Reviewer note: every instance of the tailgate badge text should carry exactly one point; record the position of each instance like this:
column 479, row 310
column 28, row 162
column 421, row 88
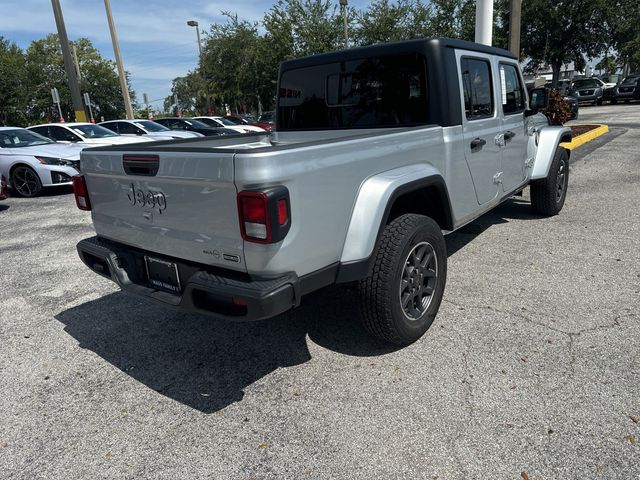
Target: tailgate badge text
column 149, row 198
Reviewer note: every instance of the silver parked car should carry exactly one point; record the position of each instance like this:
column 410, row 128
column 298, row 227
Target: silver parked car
column 31, row 162
column 148, row 128
column 85, row 133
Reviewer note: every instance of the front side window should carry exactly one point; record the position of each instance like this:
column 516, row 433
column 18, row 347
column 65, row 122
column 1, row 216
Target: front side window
column 477, row 87
column 512, row 91
column 385, row 91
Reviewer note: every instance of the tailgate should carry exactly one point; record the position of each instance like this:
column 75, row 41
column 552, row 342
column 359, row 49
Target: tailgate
column 180, row 204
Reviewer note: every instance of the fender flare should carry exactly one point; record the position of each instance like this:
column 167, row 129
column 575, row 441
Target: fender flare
column 548, row 144
column 373, row 207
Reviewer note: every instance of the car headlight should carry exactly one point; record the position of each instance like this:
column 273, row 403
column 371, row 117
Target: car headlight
column 59, row 162
column 51, row 161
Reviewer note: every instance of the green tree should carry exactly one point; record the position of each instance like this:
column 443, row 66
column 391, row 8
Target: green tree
column 99, row 78
column 13, row 96
column 231, row 62
column 454, row 18
column 386, row 21
column 607, row 65
column 621, row 29
column 315, row 25
column 188, row 90
column 45, row 70
column 558, row 32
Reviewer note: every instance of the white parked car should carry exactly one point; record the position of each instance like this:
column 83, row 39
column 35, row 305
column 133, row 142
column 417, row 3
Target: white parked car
column 30, row 161
column 86, row 133
column 139, row 127
column 221, row 122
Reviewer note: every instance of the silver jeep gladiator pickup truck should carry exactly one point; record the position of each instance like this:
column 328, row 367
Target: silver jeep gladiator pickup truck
column 377, row 153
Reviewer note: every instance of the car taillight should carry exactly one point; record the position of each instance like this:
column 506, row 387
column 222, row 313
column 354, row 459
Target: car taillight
column 80, row 192
column 265, row 215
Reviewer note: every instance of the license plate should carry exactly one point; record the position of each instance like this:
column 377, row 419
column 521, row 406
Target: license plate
column 163, row 275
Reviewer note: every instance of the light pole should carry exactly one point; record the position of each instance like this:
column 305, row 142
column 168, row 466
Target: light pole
column 116, row 51
column 344, row 4
column 193, row 23
column 484, row 21
column 70, row 68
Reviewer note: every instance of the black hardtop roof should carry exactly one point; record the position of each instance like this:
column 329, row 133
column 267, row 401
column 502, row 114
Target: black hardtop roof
column 420, row 45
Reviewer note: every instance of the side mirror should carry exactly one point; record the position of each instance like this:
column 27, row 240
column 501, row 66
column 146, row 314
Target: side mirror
column 539, row 99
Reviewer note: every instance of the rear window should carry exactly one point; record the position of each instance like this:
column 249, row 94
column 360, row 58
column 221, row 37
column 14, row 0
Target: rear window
column 386, row 91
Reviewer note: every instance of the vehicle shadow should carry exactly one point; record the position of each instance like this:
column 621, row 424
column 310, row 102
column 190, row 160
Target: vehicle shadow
column 514, row 209
column 206, row 363
column 4, row 207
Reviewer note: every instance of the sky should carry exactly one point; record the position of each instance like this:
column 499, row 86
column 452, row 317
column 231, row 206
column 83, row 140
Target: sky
column 155, row 41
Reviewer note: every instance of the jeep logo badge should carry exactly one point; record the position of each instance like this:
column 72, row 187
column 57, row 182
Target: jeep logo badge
column 155, row 200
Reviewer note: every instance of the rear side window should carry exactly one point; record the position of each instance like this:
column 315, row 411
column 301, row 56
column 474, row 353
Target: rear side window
column 113, row 126
column 385, row 91
column 511, row 89
column 44, row 131
column 478, row 88
column 60, row 134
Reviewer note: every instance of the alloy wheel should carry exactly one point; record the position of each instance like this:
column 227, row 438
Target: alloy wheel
column 26, row 182
column 419, row 279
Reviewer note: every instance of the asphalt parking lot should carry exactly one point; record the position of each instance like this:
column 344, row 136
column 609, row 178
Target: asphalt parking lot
column 530, row 371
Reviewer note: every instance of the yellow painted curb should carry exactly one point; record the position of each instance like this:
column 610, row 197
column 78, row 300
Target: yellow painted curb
column 585, row 137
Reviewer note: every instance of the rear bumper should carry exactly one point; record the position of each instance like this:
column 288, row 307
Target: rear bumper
column 215, row 292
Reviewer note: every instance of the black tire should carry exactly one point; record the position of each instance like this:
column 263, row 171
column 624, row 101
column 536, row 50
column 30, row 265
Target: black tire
column 395, row 277
column 614, row 101
column 548, row 194
column 25, row 181
column 599, row 102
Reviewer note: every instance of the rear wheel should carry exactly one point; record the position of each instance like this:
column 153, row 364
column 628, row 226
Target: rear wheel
column 548, row 194
column 400, row 298
column 25, row 181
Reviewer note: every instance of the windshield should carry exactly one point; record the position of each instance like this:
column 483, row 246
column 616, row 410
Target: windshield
column 21, row 137
column 630, row 80
column 234, row 121
column 585, row 84
column 92, row 131
column 197, row 123
column 150, row 126
column 268, row 117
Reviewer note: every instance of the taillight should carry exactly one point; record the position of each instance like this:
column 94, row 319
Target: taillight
column 80, row 192
column 264, row 214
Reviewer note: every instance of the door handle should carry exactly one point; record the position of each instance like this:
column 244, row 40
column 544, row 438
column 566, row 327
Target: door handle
column 509, row 135
column 477, row 144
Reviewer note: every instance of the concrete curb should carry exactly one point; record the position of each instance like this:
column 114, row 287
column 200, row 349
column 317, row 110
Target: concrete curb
column 585, row 137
